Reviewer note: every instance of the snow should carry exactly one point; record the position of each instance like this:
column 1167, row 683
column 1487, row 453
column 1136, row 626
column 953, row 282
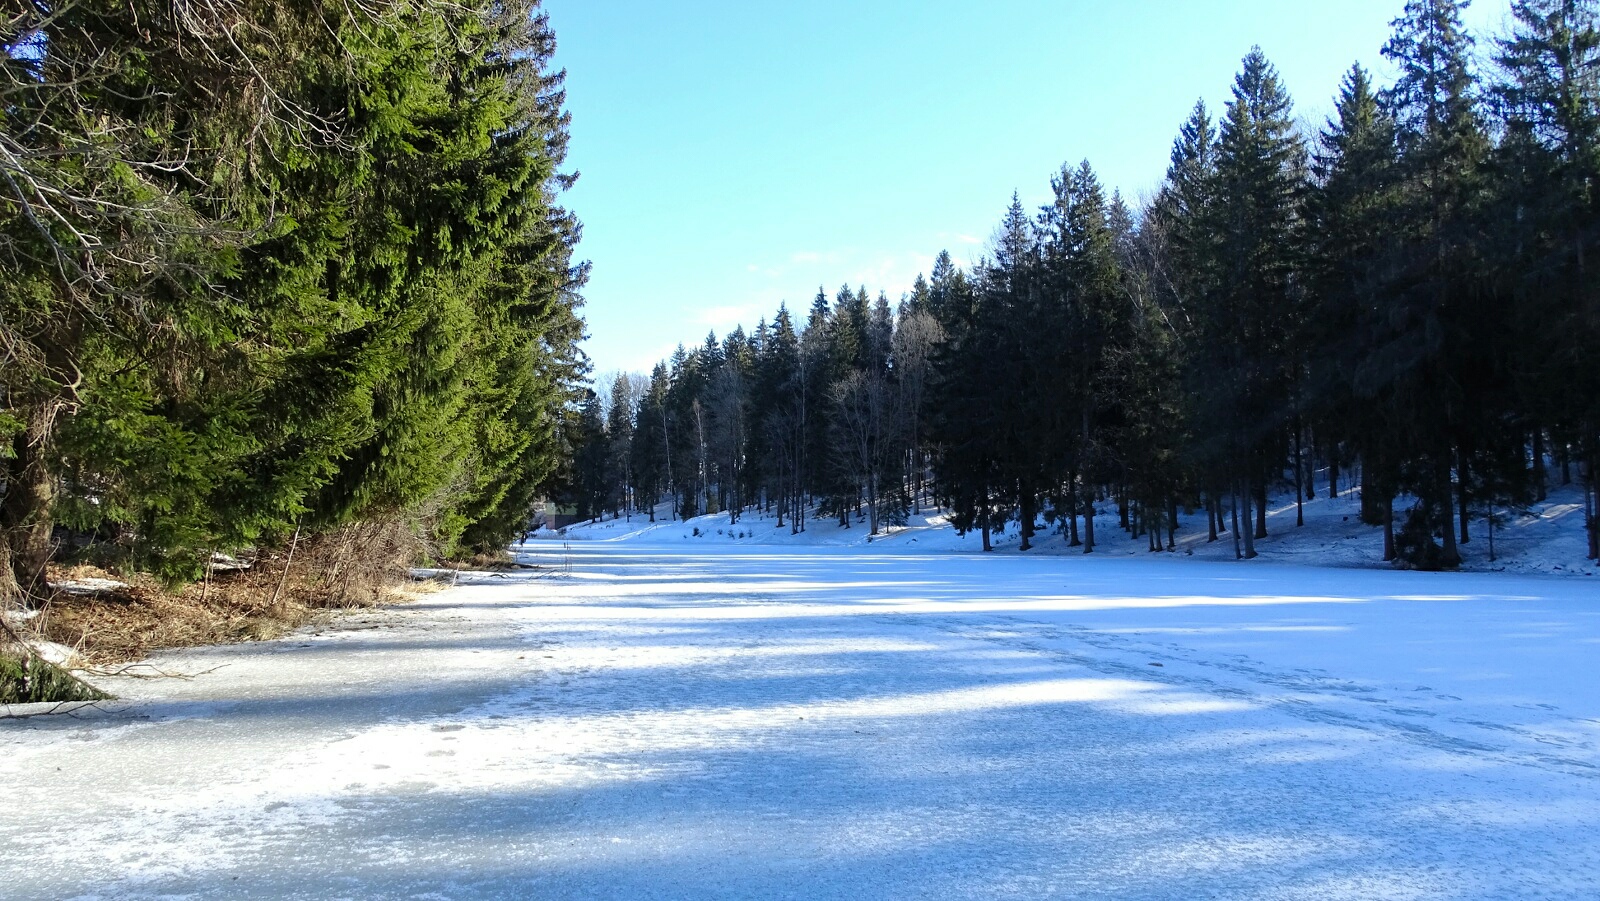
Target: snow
column 1545, row 538
column 660, row 716
column 88, row 586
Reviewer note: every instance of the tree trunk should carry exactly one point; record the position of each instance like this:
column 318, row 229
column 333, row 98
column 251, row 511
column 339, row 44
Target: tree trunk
column 1261, row 510
column 1452, row 552
column 1249, row 535
column 1088, row 519
column 987, row 547
column 1072, row 511
column 1461, row 491
column 1375, row 506
column 1333, row 472
column 1233, row 503
column 1299, row 482
column 1591, row 503
column 1026, row 512
column 1541, row 476
column 1211, row 517
column 1388, row 527
column 872, row 503
column 1172, row 524
column 10, row 592
column 1072, row 518
column 25, row 525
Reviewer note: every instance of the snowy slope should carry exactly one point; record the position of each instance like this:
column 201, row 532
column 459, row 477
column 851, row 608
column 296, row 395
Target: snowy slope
column 1545, row 538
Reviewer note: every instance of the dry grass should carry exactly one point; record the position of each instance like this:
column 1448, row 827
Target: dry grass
column 501, row 561
column 357, row 567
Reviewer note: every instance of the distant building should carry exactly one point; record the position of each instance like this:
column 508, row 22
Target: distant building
column 553, row 516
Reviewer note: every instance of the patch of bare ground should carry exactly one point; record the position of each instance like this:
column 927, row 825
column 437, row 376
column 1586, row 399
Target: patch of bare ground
column 109, row 618
column 497, row 562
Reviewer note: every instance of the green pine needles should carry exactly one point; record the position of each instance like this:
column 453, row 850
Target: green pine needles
column 280, row 265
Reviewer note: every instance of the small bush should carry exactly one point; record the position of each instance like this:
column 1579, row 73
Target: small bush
column 1414, row 544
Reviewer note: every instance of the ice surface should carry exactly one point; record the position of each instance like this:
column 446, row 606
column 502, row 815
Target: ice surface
column 666, row 717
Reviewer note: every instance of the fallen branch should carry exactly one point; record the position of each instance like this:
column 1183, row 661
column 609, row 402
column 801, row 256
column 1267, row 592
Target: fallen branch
column 54, row 710
column 156, row 672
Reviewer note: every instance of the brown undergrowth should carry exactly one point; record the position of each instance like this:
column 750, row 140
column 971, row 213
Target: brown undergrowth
column 501, row 561
column 357, row 567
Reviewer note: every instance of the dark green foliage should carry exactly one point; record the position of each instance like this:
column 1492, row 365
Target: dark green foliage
column 26, row 678
column 341, row 287
column 1548, row 209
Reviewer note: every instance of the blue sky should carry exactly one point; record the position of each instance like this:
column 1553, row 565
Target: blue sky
column 738, row 154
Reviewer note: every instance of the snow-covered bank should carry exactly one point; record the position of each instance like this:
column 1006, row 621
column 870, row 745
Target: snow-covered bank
column 1544, row 539
column 672, row 720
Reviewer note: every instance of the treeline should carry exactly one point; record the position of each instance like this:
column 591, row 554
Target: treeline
column 1405, row 294
column 277, row 268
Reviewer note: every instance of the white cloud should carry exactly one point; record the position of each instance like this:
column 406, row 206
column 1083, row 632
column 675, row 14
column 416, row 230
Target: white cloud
column 893, row 274
column 724, row 318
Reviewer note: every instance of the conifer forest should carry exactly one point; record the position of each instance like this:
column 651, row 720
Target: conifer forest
column 275, row 269
column 1401, row 300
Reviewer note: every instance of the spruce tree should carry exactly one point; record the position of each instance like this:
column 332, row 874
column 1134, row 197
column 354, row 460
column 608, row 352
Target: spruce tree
column 1420, row 359
column 1247, row 319
column 1349, row 210
column 962, row 423
column 1548, row 95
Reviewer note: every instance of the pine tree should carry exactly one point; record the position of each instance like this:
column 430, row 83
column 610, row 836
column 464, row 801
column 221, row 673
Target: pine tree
column 620, row 416
column 592, row 481
column 1085, row 318
column 1420, row 359
column 1013, row 305
column 962, row 423
column 1247, row 320
column 1549, row 98
column 650, row 451
column 352, row 298
column 1350, row 209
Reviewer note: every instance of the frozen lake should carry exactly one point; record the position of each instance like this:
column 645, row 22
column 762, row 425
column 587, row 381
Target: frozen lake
column 668, row 720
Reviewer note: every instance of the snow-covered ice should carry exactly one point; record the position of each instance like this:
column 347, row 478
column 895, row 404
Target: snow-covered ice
column 670, row 718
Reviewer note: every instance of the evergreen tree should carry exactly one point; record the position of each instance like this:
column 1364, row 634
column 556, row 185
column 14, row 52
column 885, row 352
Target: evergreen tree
column 1350, row 210
column 620, row 417
column 1549, row 97
column 1251, row 314
column 592, row 481
column 963, row 419
column 337, row 284
column 1419, row 363
column 650, row 453
column 1086, row 317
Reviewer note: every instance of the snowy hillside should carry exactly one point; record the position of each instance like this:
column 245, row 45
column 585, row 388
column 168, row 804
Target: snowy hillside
column 1545, row 538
